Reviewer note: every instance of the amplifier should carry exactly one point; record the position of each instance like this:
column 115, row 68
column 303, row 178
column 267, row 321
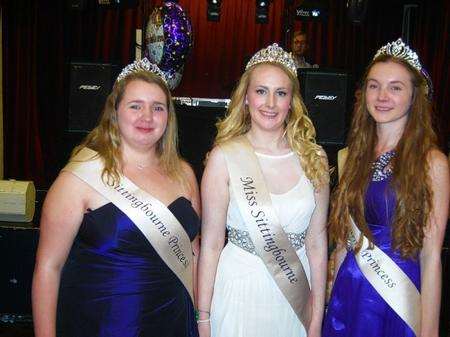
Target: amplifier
column 205, row 102
column 197, row 118
column 17, row 200
column 325, row 95
column 90, row 84
column 17, row 251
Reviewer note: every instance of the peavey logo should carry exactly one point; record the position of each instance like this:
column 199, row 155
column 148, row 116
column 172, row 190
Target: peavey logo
column 325, row 97
column 302, row 12
column 89, row 87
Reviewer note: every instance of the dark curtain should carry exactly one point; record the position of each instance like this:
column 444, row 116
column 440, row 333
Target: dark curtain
column 33, row 96
column 433, row 42
column 42, row 37
column 222, row 48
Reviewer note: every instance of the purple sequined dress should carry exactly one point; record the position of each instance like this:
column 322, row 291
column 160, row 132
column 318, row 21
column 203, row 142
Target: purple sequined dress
column 355, row 308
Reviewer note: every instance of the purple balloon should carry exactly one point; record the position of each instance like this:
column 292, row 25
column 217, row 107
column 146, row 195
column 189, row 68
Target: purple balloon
column 178, row 38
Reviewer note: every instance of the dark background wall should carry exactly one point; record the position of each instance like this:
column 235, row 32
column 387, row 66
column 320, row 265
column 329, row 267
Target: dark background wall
column 42, row 37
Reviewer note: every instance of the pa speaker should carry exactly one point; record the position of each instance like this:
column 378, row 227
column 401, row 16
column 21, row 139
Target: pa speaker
column 357, row 10
column 325, row 95
column 90, row 84
column 197, row 120
column 18, row 250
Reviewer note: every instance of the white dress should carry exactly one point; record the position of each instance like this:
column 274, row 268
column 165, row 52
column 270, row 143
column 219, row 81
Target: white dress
column 246, row 300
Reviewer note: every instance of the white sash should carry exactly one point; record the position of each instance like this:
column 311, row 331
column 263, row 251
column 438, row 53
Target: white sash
column 151, row 217
column 271, row 242
column 389, row 280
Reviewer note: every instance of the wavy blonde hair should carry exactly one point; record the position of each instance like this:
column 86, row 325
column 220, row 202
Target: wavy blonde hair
column 410, row 178
column 105, row 138
column 299, row 131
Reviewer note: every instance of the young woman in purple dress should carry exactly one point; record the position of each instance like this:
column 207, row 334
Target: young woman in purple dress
column 394, row 187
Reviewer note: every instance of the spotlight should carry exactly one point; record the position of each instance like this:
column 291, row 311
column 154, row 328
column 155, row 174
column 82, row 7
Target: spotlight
column 262, row 11
column 213, row 10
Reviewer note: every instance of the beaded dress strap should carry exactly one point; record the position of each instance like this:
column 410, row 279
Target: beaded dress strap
column 381, row 169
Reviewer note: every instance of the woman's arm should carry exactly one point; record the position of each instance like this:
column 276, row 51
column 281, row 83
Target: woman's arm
column 339, row 255
column 430, row 255
column 194, row 197
column 215, row 198
column 316, row 250
column 61, row 217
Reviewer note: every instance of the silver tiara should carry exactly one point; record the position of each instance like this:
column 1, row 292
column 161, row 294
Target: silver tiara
column 141, row 65
column 400, row 50
column 276, row 54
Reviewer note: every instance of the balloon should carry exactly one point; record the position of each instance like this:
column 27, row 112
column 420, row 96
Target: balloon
column 169, row 40
column 174, row 78
column 177, row 36
column 154, row 37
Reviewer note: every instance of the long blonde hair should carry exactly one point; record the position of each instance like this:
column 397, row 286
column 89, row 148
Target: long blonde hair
column 300, row 132
column 410, row 177
column 105, row 138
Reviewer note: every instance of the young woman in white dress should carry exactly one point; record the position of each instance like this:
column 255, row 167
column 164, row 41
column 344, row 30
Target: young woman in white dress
column 239, row 294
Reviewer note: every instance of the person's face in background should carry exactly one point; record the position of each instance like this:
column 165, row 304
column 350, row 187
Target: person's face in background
column 299, row 45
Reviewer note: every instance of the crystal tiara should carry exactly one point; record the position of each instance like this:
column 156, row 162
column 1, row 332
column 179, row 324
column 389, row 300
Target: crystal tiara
column 276, row 54
column 402, row 51
column 141, row 65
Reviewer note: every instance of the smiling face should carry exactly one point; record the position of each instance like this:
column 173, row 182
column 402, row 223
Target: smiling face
column 268, row 97
column 142, row 114
column 389, row 92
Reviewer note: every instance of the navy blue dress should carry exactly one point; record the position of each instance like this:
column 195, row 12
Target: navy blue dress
column 114, row 284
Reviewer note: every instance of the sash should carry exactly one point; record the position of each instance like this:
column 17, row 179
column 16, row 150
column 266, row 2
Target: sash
column 389, row 280
column 270, row 240
column 151, row 217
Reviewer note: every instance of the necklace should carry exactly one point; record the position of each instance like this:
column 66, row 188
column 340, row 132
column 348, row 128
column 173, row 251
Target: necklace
column 141, row 167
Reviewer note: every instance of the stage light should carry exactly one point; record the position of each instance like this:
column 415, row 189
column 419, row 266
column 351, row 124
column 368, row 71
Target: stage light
column 213, row 10
column 262, row 11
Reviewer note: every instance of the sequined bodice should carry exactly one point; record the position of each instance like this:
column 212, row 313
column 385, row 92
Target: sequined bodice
column 380, row 200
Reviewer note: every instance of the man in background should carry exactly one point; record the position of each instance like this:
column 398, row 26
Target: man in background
column 299, row 47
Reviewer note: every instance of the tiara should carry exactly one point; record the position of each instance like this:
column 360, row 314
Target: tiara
column 276, row 54
column 400, row 50
column 141, row 65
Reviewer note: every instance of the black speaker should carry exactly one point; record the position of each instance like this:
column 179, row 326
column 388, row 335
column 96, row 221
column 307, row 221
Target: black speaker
column 197, row 128
column 90, row 84
column 77, row 4
column 356, row 10
column 18, row 250
column 325, row 95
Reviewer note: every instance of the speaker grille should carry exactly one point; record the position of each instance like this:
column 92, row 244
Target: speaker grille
column 325, row 95
column 90, row 84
